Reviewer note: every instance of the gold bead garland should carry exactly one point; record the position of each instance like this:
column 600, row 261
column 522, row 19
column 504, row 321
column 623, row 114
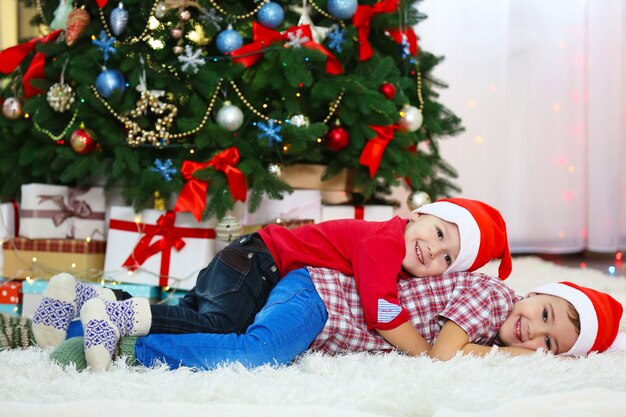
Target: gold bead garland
column 332, row 108
column 61, row 135
column 325, row 13
column 234, row 16
column 419, row 90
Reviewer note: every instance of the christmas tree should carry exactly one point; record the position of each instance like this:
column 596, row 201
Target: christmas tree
column 179, row 96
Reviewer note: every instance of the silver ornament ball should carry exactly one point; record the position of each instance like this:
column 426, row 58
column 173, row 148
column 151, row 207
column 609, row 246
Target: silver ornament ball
column 229, row 117
column 160, row 11
column 417, row 199
column 274, row 169
column 411, row 118
column 299, row 120
column 12, row 108
column 60, row 97
column 228, row 229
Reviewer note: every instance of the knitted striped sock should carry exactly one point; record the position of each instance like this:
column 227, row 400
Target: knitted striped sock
column 72, row 352
column 15, row 332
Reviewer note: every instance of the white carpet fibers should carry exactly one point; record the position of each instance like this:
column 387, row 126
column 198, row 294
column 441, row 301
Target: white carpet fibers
column 357, row 385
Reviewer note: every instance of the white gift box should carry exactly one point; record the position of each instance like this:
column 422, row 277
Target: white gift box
column 374, row 213
column 301, row 204
column 9, row 223
column 168, row 262
column 60, row 212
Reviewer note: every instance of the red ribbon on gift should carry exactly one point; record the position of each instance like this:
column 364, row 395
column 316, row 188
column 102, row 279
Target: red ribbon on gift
column 375, row 148
column 171, row 237
column 11, row 57
column 362, row 20
column 359, row 212
column 16, row 217
column 193, row 195
column 262, row 37
column 411, row 38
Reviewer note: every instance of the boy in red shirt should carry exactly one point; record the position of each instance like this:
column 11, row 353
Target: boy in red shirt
column 446, row 236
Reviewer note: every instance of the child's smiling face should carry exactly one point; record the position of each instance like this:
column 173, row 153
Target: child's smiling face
column 432, row 245
column 540, row 321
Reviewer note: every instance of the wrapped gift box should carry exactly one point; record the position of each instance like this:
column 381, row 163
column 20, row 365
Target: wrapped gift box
column 32, row 291
column 59, row 212
column 373, row 213
column 9, row 225
column 43, row 258
column 11, row 292
column 12, row 309
column 144, row 248
column 301, row 204
column 170, row 298
column 309, row 177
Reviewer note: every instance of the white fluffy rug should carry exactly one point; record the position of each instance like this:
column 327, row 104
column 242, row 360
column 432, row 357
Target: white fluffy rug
column 357, row 385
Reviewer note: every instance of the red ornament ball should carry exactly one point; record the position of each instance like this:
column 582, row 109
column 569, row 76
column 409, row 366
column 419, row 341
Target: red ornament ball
column 388, row 90
column 83, row 141
column 337, row 138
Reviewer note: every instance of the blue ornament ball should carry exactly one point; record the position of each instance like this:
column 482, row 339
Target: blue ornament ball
column 342, row 9
column 228, row 40
column 109, row 81
column 271, row 15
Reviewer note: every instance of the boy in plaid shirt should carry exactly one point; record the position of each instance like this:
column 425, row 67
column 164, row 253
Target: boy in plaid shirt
column 320, row 310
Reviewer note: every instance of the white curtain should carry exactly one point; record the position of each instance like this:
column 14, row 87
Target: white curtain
column 541, row 89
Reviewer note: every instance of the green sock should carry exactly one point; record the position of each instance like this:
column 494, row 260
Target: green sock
column 72, row 351
column 15, row 332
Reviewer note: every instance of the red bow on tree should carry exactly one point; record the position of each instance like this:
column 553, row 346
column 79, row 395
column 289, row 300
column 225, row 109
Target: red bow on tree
column 262, row 37
column 362, row 20
column 102, row 3
column 375, row 148
column 193, row 195
column 411, row 38
column 11, row 57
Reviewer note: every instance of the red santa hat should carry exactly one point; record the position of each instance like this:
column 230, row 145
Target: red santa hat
column 599, row 315
column 482, row 231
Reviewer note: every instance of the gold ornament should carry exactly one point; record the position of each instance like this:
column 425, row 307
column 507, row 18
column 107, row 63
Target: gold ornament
column 158, row 137
column 417, row 199
column 159, row 202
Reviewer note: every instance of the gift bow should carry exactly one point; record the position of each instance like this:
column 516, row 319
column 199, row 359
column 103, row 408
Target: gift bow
column 411, row 38
column 11, row 57
column 362, row 20
column 171, row 238
column 73, row 208
column 262, row 37
column 372, row 154
column 193, row 195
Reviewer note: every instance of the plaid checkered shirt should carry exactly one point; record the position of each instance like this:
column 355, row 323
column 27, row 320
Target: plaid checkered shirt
column 478, row 303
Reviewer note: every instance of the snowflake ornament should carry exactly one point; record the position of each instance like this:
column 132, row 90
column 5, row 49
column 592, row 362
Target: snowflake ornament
column 270, row 130
column 164, row 168
column 105, row 44
column 212, row 17
column 296, row 40
column 191, row 59
column 336, row 38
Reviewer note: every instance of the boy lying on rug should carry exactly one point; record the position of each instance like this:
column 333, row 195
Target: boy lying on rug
column 443, row 237
column 319, row 309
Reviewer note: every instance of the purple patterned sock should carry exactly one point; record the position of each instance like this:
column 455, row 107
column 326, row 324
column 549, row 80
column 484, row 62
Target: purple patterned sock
column 105, row 322
column 62, row 300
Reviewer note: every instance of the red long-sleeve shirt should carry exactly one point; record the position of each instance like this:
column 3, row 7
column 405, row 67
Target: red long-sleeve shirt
column 372, row 252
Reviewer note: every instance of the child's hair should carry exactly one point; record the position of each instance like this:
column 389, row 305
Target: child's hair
column 595, row 314
column 573, row 317
column 482, row 233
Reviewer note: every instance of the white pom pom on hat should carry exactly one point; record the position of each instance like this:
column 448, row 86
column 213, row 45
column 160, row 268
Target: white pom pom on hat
column 599, row 316
column 482, row 231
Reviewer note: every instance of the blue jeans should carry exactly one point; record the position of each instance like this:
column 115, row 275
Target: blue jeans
column 286, row 326
column 227, row 295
